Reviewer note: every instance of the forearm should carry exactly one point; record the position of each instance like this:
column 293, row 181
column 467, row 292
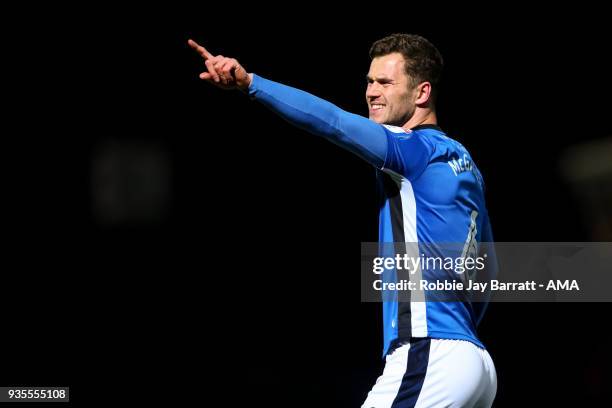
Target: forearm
column 355, row 133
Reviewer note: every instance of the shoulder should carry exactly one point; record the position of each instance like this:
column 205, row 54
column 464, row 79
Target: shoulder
column 397, row 132
column 444, row 144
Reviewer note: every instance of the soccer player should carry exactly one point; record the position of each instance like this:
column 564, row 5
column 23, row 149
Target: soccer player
column 431, row 192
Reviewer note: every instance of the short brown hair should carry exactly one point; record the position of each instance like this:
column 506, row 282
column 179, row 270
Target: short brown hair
column 423, row 61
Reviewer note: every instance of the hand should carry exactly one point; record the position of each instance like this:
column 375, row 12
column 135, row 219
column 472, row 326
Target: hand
column 225, row 73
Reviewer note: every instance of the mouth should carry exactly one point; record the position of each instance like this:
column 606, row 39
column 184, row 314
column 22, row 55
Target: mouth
column 376, row 107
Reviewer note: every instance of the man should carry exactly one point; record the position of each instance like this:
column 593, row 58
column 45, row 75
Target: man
column 431, row 192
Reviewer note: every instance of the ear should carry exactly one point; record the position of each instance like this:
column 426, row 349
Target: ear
column 423, row 93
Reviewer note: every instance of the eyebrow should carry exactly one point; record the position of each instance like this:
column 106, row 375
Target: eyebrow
column 379, row 79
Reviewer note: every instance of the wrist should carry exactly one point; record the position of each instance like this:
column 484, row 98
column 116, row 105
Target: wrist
column 247, row 84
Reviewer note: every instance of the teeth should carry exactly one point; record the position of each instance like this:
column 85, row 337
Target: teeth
column 376, row 107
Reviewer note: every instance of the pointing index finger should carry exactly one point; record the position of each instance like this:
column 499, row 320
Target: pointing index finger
column 200, row 50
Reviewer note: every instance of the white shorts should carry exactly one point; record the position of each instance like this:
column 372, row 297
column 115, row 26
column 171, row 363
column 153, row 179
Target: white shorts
column 435, row 373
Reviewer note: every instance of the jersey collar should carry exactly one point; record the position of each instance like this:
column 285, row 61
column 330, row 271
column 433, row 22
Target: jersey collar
column 436, row 127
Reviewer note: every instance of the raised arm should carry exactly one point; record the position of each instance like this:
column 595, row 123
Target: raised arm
column 355, row 133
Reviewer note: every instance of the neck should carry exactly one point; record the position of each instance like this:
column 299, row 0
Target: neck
column 421, row 117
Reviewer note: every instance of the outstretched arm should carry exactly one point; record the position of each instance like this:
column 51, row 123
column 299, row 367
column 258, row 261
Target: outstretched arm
column 355, row 133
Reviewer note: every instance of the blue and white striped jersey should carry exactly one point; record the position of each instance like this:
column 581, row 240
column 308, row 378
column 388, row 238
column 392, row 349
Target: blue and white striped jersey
column 431, row 192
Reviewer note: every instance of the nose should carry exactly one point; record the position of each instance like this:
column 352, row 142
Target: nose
column 373, row 91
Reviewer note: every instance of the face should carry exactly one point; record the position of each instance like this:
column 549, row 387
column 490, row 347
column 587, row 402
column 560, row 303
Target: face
column 389, row 95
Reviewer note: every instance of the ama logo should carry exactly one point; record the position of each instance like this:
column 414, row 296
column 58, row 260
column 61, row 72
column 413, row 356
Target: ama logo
column 562, row 285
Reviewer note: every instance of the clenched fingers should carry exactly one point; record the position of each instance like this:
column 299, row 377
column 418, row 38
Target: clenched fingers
column 211, row 70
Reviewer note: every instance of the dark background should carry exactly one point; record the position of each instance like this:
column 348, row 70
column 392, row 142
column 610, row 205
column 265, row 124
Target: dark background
column 170, row 241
